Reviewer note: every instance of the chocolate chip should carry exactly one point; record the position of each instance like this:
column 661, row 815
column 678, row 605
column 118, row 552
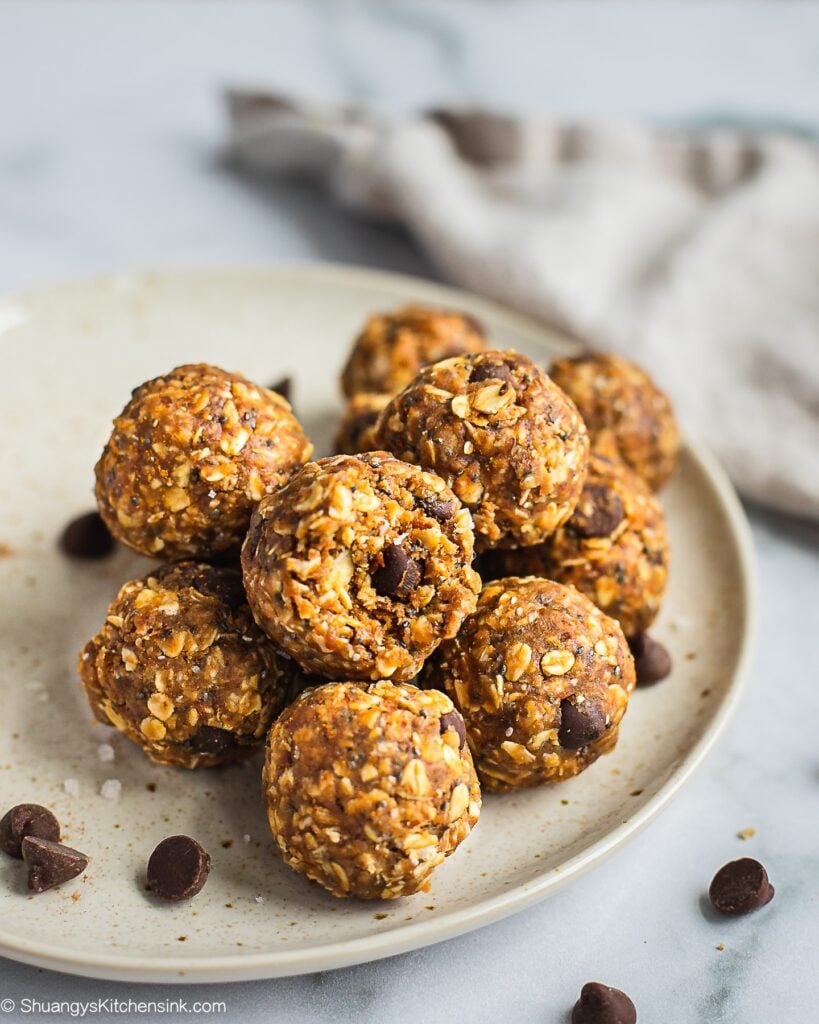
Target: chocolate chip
column 740, row 887
column 599, row 1004
column 491, row 369
column 398, row 576
column 178, row 868
column 282, row 387
column 599, row 512
column 209, row 739
column 26, row 820
column 438, row 509
column 86, row 536
column 580, row 725
column 50, row 863
column 652, row 661
column 454, row 720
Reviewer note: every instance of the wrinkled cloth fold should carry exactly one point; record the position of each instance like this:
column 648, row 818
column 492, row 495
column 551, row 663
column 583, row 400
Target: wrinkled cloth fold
column 694, row 254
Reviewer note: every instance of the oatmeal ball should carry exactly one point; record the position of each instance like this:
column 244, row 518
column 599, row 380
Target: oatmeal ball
column 614, row 548
column 542, row 678
column 504, row 437
column 369, row 788
column 189, row 457
column 355, row 429
column 393, row 347
column 181, row 668
column 360, row 566
column 626, row 414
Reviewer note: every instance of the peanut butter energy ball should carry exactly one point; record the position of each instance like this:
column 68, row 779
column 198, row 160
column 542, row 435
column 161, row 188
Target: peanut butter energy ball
column 509, row 443
column 360, row 566
column 355, row 429
column 614, row 548
column 542, row 678
column 393, row 347
column 181, row 668
column 626, row 414
column 189, row 457
column 369, row 788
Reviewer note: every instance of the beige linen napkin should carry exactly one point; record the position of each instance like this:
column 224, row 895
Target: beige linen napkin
column 697, row 255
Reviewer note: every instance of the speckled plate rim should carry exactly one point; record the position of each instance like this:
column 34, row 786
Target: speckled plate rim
column 334, row 955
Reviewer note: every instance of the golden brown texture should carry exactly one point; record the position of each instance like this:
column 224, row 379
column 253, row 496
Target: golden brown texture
column 393, row 347
column 369, row 788
column 503, row 436
column 542, row 678
column 625, row 412
column 181, row 668
column 355, row 429
column 360, row 566
column 614, row 548
column 189, row 457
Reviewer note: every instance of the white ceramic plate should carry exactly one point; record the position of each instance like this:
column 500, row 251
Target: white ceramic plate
column 71, row 356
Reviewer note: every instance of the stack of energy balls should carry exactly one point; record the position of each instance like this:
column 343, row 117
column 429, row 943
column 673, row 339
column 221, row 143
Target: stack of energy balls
column 451, row 598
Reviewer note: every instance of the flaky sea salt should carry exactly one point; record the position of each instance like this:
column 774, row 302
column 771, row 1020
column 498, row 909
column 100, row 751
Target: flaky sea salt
column 111, row 789
column 105, row 752
column 72, row 787
column 259, row 899
column 245, row 838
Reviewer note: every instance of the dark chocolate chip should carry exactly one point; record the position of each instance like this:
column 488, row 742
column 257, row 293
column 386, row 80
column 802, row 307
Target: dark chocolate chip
column 86, row 536
column 283, row 387
column 740, row 887
column 599, row 512
column 26, row 820
column 178, row 868
column 491, row 369
column 652, row 661
column 50, row 863
column 209, row 739
column 580, row 725
column 599, row 1004
column 398, row 576
column 438, row 509
column 454, row 720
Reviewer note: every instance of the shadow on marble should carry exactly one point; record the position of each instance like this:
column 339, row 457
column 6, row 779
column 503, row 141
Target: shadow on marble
column 334, row 233
column 803, row 532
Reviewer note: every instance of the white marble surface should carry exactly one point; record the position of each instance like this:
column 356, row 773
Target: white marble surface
column 109, row 128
